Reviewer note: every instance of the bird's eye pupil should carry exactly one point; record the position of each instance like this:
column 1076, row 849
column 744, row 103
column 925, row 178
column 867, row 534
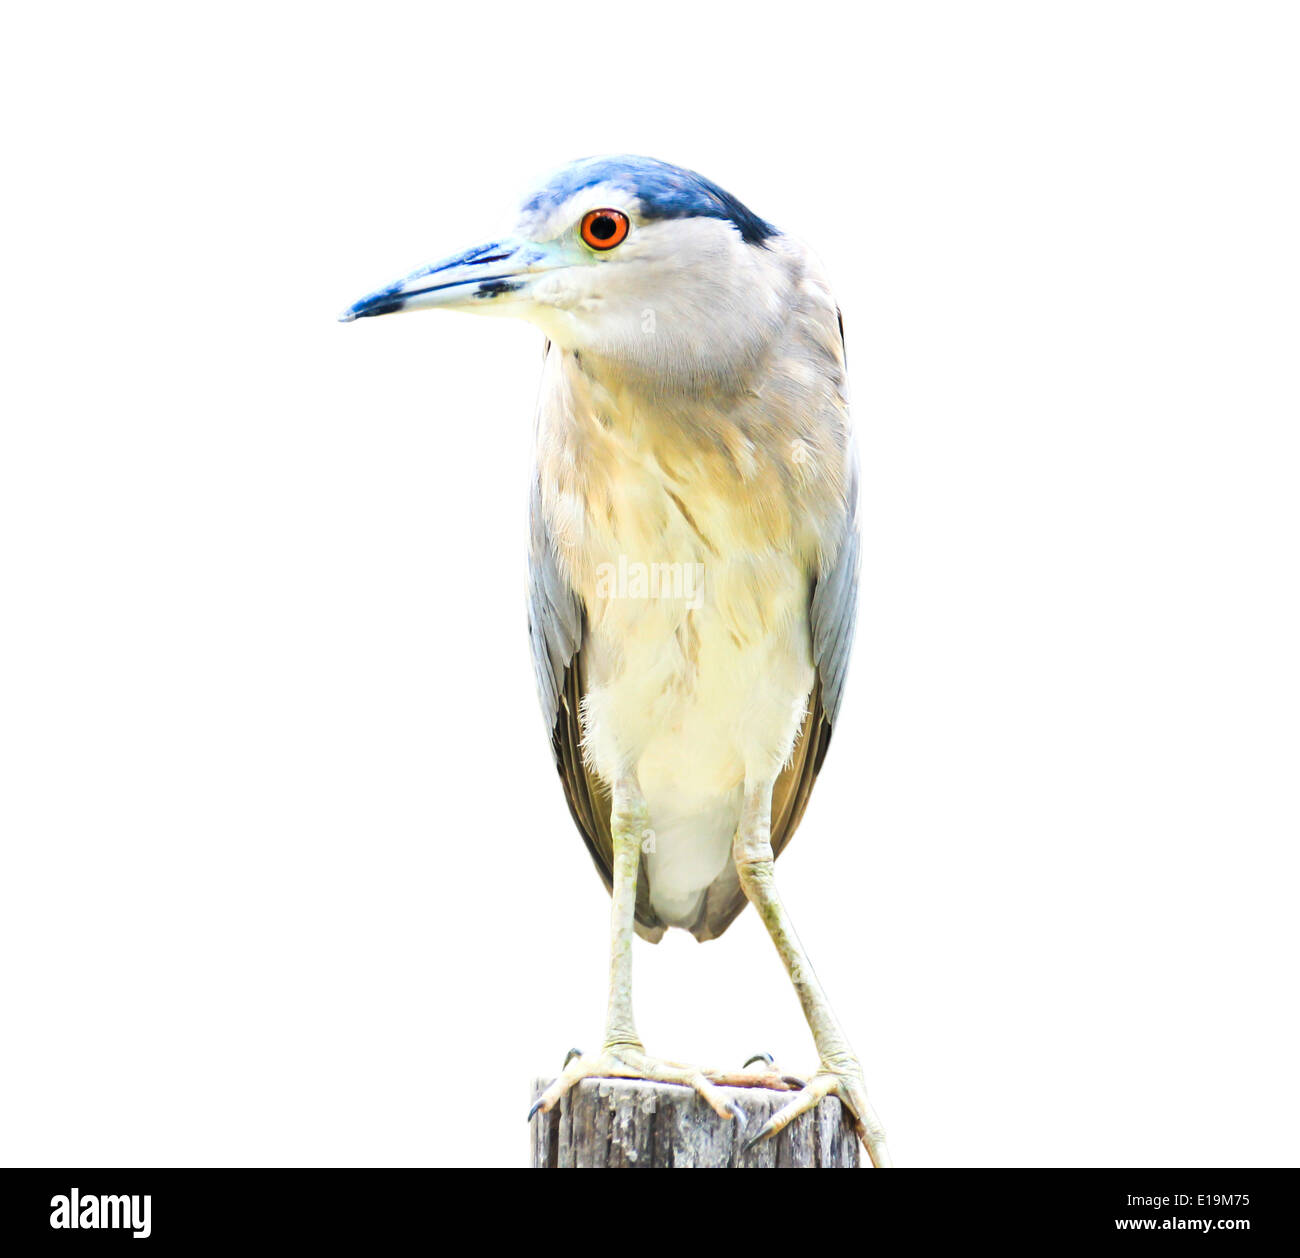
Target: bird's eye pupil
column 604, row 229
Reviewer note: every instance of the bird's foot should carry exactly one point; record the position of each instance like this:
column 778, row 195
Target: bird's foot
column 630, row 1061
column 841, row 1078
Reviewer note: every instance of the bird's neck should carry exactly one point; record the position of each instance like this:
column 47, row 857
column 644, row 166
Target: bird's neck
column 680, row 380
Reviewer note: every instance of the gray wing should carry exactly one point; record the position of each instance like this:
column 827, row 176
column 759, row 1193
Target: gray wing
column 834, row 610
column 554, row 613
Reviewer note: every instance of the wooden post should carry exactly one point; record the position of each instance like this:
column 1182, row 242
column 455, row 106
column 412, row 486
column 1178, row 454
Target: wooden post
column 632, row 1122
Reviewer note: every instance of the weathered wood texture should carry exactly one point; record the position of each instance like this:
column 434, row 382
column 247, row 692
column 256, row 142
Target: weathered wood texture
column 631, row 1122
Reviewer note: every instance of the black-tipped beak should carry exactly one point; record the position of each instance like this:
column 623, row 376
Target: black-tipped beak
column 479, row 278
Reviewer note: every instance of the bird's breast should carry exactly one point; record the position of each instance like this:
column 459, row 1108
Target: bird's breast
column 683, row 545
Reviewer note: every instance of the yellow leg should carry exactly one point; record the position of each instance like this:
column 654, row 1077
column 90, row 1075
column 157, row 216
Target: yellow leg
column 839, row 1072
column 622, row 1054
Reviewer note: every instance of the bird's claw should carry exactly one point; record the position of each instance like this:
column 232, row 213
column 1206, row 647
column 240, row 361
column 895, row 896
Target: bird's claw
column 771, row 1078
column 845, row 1082
column 628, row 1062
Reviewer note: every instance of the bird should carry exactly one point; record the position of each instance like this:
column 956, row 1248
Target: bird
column 693, row 562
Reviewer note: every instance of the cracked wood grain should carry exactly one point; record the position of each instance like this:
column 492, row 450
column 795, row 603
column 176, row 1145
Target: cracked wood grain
column 636, row 1123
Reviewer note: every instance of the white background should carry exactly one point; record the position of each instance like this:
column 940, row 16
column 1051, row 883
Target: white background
column 287, row 873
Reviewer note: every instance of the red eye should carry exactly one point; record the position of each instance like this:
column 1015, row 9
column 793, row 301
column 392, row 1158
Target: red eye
column 603, row 229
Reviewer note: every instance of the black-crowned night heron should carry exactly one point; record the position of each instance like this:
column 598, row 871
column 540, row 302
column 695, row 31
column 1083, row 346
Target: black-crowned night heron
column 694, row 559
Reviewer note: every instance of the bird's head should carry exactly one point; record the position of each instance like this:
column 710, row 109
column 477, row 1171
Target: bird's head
column 647, row 266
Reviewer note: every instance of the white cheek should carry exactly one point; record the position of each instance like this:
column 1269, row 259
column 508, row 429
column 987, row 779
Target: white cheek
column 565, row 290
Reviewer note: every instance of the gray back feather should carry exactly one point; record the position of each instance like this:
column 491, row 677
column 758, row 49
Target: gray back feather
column 834, row 610
column 554, row 613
